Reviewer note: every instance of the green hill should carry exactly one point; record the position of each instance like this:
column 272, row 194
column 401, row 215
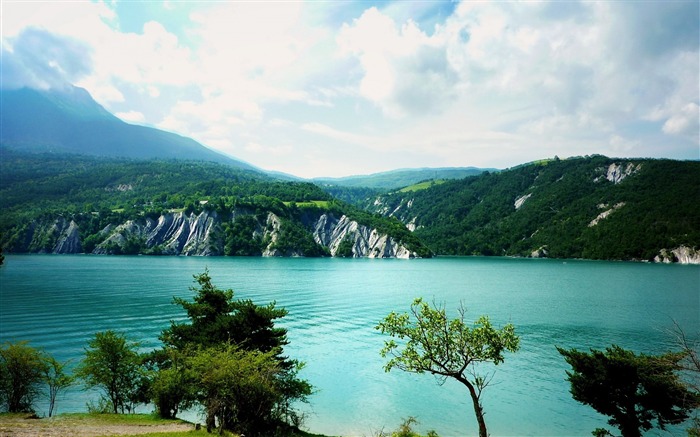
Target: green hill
column 74, row 204
column 594, row 207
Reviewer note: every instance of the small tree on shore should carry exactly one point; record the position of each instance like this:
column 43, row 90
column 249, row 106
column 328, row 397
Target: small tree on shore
column 56, row 379
column 447, row 348
column 112, row 364
column 21, row 374
column 633, row 390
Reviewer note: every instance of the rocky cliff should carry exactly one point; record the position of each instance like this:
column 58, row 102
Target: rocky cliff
column 207, row 233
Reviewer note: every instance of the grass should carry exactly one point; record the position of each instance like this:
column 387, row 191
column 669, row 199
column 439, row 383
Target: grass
column 310, row 203
column 421, row 185
column 24, row 424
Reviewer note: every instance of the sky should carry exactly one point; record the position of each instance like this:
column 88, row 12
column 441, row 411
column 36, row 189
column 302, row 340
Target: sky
column 337, row 88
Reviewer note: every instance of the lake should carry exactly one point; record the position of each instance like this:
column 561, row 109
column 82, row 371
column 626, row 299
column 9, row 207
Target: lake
column 59, row 302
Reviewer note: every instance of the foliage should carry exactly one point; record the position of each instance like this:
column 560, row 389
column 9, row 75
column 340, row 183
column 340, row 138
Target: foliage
column 633, row 390
column 477, row 215
column 43, row 193
column 22, row 370
column 237, row 387
column 227, row 338
column 406, row 430
column 112, row 364
column 430, row 342
column 56, row 379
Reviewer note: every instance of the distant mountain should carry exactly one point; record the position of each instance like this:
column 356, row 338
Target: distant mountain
column 395, row 179
column 70, row 121
column 594, row 208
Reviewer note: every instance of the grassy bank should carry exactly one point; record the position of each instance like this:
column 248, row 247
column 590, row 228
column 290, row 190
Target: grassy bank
column 101, row 425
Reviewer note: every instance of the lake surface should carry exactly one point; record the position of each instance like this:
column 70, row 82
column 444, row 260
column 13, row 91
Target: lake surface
column 59, row 302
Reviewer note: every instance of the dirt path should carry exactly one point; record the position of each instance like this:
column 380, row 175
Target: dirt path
column 66, row 426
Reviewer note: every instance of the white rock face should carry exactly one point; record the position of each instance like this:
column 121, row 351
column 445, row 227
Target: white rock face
column 331, row 232
column 69, row 237
column 202, row 235
column 605, row 213
column 682, row 255
column 521, row 200
column 618, row 172
column 176, row 233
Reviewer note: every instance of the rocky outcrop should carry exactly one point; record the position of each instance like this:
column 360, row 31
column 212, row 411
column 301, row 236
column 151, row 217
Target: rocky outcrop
column 172, row 234
column 331, row 232
column 681, row 255
column 204, row 234
column 520, row 201
column 616, row 173
column 68, row 240
column 605, row 213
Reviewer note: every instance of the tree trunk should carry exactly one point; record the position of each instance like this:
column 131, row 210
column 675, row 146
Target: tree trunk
column 478, row 411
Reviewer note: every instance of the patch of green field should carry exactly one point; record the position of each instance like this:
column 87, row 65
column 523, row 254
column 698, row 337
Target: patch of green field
column 421, row 185
column 310, row 203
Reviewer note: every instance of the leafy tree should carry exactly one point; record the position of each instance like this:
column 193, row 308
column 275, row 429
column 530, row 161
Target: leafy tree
column 245, row 331
column 216, row 318
column 112, row 364
column 56, row 378
column 170, row 387
column 633, row 390
column 236, row 387
column 446, row 348
column 21, row 374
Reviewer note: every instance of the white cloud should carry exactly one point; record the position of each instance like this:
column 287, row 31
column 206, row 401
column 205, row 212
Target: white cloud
column 298, row 84
column 131, row 116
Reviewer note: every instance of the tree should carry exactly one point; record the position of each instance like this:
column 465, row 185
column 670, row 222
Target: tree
column 633, row 390
column 21, row 374
column 112, row 364
column 216, row 318
column 216, row 321
column 447, row 348
column 56, row 378
column 236, row 387
column 690, row 368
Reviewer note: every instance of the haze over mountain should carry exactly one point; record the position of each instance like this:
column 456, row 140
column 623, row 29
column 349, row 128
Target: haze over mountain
column 69, row 120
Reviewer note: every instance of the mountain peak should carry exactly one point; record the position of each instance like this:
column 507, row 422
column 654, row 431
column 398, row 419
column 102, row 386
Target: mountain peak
column 69, row 120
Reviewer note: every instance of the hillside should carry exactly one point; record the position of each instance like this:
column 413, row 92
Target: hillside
column 70, row 121
column 593, row 207
column 77, row 204
column 394, row 179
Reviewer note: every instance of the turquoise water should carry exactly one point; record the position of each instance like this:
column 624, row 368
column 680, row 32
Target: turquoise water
column 58, row 302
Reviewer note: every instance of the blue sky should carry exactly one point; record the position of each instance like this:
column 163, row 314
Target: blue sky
column 338, row 88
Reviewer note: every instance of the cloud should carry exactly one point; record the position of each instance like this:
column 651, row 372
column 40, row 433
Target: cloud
column 131, row 116
column 38, row 59
column 405, row 70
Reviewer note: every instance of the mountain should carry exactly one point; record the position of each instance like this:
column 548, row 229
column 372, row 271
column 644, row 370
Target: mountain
column 70, row 121
column 55, row 203
column 590, row 207
column 394, row 179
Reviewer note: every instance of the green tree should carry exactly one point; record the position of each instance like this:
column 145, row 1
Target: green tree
column 112, row 364
column 217, row 320
column 56, row 378
column 633, row 390
column 171, row 386
column 236, row 387
column 446, row 348
column 21, row 374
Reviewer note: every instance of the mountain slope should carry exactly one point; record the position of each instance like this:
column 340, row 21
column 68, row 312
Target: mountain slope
column 595, row 208
column 55, row 203
column 394, row 179
column 70, row 121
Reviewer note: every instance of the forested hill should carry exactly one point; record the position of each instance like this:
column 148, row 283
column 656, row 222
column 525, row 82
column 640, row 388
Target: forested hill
column 594, row 207
column 54, row 203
